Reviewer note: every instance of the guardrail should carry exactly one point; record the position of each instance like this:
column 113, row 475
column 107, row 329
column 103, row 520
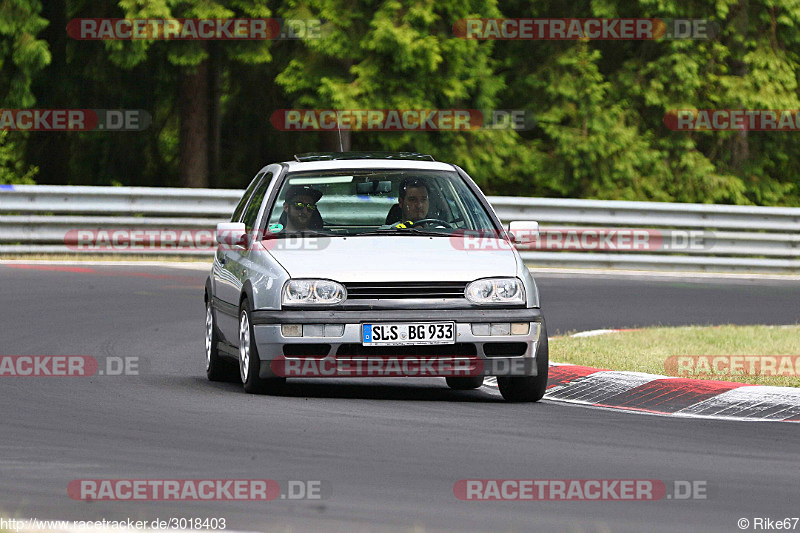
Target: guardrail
column 35, row 219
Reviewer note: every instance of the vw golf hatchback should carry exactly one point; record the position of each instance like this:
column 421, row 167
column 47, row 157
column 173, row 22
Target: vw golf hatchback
column 372, row 264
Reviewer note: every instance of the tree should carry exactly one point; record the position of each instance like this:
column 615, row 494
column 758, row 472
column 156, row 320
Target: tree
column 199, row 64
column 403, row 56
column 22, row 55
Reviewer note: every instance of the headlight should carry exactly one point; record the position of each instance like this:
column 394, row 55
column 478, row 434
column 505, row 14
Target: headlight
column 496, row 291
column 312, row 292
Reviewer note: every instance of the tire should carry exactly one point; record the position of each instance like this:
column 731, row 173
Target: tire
column 466, row 383
column 249, row 360
column 528, row 388
column 217, row 368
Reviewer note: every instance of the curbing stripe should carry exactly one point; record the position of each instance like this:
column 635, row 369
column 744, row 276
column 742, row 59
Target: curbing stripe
column 671, row 396
column 667, row 395
column 636, row 392
column 756, row 401
column 599, row 387
column 563, row 374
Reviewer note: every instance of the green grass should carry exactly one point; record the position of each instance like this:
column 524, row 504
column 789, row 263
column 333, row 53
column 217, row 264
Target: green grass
column 647, row 350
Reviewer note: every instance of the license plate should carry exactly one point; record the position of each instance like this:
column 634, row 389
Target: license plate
column 408, row 334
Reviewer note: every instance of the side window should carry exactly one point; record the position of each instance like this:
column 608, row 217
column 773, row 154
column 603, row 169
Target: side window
column 237, row 213
column 251, row 211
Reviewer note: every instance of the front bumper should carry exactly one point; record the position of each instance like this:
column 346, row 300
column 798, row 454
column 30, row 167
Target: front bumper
column 495, row 355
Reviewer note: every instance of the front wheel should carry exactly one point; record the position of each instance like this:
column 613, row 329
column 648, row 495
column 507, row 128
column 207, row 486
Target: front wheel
column 249, row 360
column 528, row 388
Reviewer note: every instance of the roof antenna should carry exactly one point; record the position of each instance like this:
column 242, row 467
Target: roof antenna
column 339, row 130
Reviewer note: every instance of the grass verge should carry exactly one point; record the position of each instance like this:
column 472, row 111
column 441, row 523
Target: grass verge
column 649, row 350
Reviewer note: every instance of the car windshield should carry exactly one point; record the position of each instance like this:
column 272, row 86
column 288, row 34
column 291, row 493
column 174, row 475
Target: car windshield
column 376, row 202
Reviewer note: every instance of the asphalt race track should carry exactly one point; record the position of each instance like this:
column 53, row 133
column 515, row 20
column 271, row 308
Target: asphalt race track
column 390, row 450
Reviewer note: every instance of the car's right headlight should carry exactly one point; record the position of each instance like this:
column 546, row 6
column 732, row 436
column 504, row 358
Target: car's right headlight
column 312, row 292
column 496, row 291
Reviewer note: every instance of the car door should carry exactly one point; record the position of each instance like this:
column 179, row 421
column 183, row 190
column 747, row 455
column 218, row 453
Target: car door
column 228, row 271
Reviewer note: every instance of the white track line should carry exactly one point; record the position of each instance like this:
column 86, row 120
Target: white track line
column 683, row 275
column 187, row 265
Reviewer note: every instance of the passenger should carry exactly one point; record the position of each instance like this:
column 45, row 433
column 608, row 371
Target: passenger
column 300, row 208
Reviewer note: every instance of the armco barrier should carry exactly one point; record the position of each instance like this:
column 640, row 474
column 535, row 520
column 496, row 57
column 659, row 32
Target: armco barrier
column 35, row 219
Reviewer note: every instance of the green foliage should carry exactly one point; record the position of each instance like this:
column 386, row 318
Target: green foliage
column 21, row 53
column 600, row 105
column 12, row 167
column 128, row 54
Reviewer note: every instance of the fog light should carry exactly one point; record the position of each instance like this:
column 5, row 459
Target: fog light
column 334, row 330
column 520, row 328
column 312, row 330
column 501, row 329
column 291, row 330
column 481, row 330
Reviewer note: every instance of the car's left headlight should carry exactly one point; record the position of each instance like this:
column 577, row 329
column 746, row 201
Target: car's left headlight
column 312, row 292
column 496, row 291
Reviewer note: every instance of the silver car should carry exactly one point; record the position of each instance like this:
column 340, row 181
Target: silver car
column 372, row 264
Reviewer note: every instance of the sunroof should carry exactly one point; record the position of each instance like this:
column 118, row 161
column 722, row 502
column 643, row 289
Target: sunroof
column 333, row 156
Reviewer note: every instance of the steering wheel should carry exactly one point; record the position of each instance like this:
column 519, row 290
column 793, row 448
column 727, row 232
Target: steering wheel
column 434, row 220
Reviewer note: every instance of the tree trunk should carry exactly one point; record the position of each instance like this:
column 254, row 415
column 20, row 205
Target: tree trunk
column 193, row 97
column 214, row 118
column 740, row 147
column 51, row 151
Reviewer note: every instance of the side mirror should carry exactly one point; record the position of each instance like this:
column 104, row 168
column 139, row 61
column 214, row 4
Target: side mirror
column 524, row 231
column 231, row 233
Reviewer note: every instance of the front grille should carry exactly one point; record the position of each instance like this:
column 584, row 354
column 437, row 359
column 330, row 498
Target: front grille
column 405, row 290
column 435, row 350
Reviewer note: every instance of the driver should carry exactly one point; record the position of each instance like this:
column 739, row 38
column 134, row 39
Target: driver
column 300, row 207
column 413, row 199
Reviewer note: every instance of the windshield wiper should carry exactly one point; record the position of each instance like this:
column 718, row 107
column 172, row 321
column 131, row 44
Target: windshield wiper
column 403, row 231
column 299, row 232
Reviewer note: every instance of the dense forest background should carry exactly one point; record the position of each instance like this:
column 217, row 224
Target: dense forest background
column 599, row 105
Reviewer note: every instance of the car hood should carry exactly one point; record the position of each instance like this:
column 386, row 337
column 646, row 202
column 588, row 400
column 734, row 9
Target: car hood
column 394, row 258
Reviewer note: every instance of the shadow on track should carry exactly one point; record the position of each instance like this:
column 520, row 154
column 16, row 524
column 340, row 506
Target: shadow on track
column 347, row 389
